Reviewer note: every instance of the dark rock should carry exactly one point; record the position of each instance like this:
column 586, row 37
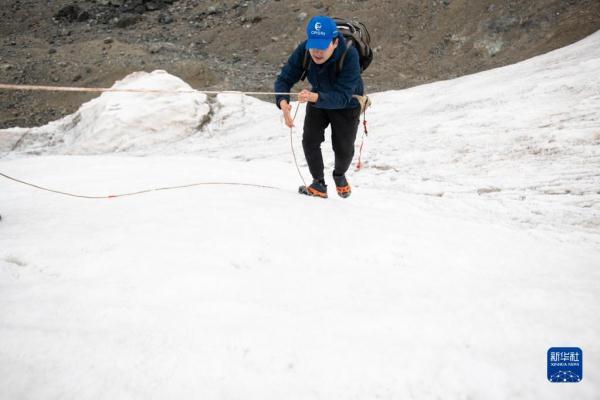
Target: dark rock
column 502, row 24
column 164, row 18
column 214, row 10
column 529, row 25
column 68, row 13
column 152, row 6
column 83, row 16
column 155, row 48
column 133, row 6
column 126, row 21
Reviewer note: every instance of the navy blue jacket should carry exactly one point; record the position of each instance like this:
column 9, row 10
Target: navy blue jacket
column 334, row 92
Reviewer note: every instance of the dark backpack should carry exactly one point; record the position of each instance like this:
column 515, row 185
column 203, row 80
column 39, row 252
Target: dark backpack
column 356, row 35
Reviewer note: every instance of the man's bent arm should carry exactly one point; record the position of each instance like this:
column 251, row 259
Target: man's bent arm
column 290, row 74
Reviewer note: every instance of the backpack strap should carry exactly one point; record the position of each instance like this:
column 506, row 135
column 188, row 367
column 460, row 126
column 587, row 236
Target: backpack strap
column 340, row 62
column 305, row 65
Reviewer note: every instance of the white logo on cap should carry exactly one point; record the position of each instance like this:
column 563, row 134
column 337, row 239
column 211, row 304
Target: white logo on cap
column 318, row 26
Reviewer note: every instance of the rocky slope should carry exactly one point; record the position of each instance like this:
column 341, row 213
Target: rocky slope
column 240, row 45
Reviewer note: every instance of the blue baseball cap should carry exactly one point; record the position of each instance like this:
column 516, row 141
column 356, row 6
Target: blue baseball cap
column 321, row 31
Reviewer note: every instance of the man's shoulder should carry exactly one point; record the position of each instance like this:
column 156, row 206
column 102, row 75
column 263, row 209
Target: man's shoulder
column 301, row 47
column 345, row 49
column 349, row 59
column 298, row 53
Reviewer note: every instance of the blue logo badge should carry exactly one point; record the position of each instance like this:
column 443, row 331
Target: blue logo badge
column 565, row 364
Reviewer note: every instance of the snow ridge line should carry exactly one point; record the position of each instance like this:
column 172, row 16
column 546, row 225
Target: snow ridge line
column 112, row 196
column 6, row 86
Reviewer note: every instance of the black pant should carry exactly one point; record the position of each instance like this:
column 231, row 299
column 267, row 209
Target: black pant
column 344, row 124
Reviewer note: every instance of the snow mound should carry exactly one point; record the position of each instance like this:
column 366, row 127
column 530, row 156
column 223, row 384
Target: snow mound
column 117, row 122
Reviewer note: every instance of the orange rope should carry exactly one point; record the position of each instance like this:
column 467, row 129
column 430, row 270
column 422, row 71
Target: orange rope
column 112, row 196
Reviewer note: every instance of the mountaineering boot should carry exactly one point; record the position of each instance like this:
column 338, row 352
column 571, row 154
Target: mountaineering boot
column 342, row 186
column 317, row 188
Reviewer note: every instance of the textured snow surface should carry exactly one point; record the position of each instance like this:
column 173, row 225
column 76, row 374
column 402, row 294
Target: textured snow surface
column 471, row 245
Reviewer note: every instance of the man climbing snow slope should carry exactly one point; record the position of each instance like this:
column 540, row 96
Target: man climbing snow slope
column 330, row 100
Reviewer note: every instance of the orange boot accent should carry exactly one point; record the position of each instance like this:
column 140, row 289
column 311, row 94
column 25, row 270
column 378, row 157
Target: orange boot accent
column 316, row 193
column 344, row 191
